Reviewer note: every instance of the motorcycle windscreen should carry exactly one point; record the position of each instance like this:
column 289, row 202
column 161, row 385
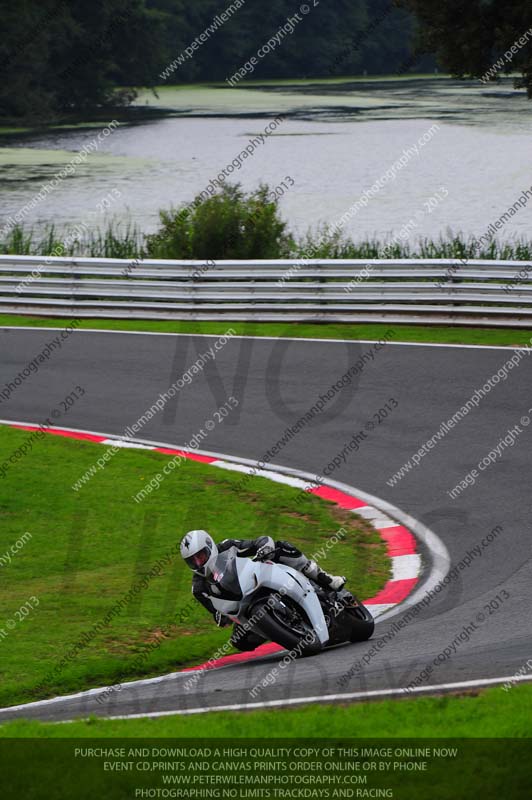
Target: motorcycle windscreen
column 225, row 576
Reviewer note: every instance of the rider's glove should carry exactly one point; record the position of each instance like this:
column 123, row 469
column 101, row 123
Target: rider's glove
column 266, row 550
column 221, row 620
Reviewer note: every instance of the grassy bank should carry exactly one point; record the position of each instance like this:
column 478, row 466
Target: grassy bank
column 493, row 764
column 75, row 121
column 493, row 713
column 485, row 738
column 89, row 548
column 124, row 239
column 504, row 337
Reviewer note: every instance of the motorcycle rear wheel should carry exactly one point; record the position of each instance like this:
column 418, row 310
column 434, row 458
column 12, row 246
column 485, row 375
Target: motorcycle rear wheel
column 361, row 623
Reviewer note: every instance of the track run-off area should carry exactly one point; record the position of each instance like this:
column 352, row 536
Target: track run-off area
column 380, row 405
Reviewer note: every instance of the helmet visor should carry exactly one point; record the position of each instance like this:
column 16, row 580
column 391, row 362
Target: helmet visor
column 199, row 559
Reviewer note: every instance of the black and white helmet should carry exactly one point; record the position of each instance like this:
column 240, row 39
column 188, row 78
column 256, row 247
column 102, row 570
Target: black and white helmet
column 199, row 551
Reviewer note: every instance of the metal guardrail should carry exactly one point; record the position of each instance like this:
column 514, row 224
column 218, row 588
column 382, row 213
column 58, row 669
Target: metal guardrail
column 405, row 290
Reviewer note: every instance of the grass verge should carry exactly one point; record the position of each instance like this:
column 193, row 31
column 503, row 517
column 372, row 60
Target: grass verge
column 375, row 747
column 89, row 548
column 508, row 337
column 493, row 713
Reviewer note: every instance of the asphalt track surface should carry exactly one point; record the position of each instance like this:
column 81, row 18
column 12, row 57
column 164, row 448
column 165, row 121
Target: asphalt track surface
column 276, row 383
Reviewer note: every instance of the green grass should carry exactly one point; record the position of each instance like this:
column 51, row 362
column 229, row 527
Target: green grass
column 509, row 337
column 490, row 729
column 89, row 548
column 493, row 764
column 493, row 713
column 116, row 240
column 124, row 239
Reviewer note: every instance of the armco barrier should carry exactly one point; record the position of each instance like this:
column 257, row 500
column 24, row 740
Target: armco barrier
column 430, row 291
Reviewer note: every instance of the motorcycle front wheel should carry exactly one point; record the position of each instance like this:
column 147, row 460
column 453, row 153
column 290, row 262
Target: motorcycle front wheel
column 286, row 624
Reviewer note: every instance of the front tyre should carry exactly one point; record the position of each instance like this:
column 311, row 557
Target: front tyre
column 287, row 625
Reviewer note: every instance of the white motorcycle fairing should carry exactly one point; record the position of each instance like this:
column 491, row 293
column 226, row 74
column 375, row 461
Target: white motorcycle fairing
column 253, row 576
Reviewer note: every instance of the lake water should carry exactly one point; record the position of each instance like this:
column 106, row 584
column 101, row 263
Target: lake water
column 336, row 139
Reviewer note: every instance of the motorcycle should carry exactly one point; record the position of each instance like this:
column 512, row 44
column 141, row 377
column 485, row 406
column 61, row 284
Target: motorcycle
column 280, row 604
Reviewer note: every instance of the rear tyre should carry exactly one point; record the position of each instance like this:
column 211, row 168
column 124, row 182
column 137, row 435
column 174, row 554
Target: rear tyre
column 286, row 624
column 361, row 623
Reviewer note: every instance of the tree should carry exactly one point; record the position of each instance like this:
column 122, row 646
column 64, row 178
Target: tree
column 76, row 57
column 331, row 39
column 478, row 38
column 57, row 56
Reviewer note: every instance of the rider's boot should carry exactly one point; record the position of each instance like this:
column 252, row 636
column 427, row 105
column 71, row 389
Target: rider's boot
column 323, row 579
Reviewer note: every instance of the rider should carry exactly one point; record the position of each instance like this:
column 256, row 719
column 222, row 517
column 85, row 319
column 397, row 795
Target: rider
column 200, row 553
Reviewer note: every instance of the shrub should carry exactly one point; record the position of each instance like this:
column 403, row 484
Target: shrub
column 227, row 225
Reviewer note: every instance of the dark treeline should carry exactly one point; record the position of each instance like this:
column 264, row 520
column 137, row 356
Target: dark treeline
column 59, row 57
column 478, row 38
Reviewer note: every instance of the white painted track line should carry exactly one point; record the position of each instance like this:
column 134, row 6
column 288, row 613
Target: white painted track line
column 507, row 348
column 333, row 698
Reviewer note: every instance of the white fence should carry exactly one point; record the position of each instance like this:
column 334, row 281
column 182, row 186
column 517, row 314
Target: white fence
column 425, row 290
